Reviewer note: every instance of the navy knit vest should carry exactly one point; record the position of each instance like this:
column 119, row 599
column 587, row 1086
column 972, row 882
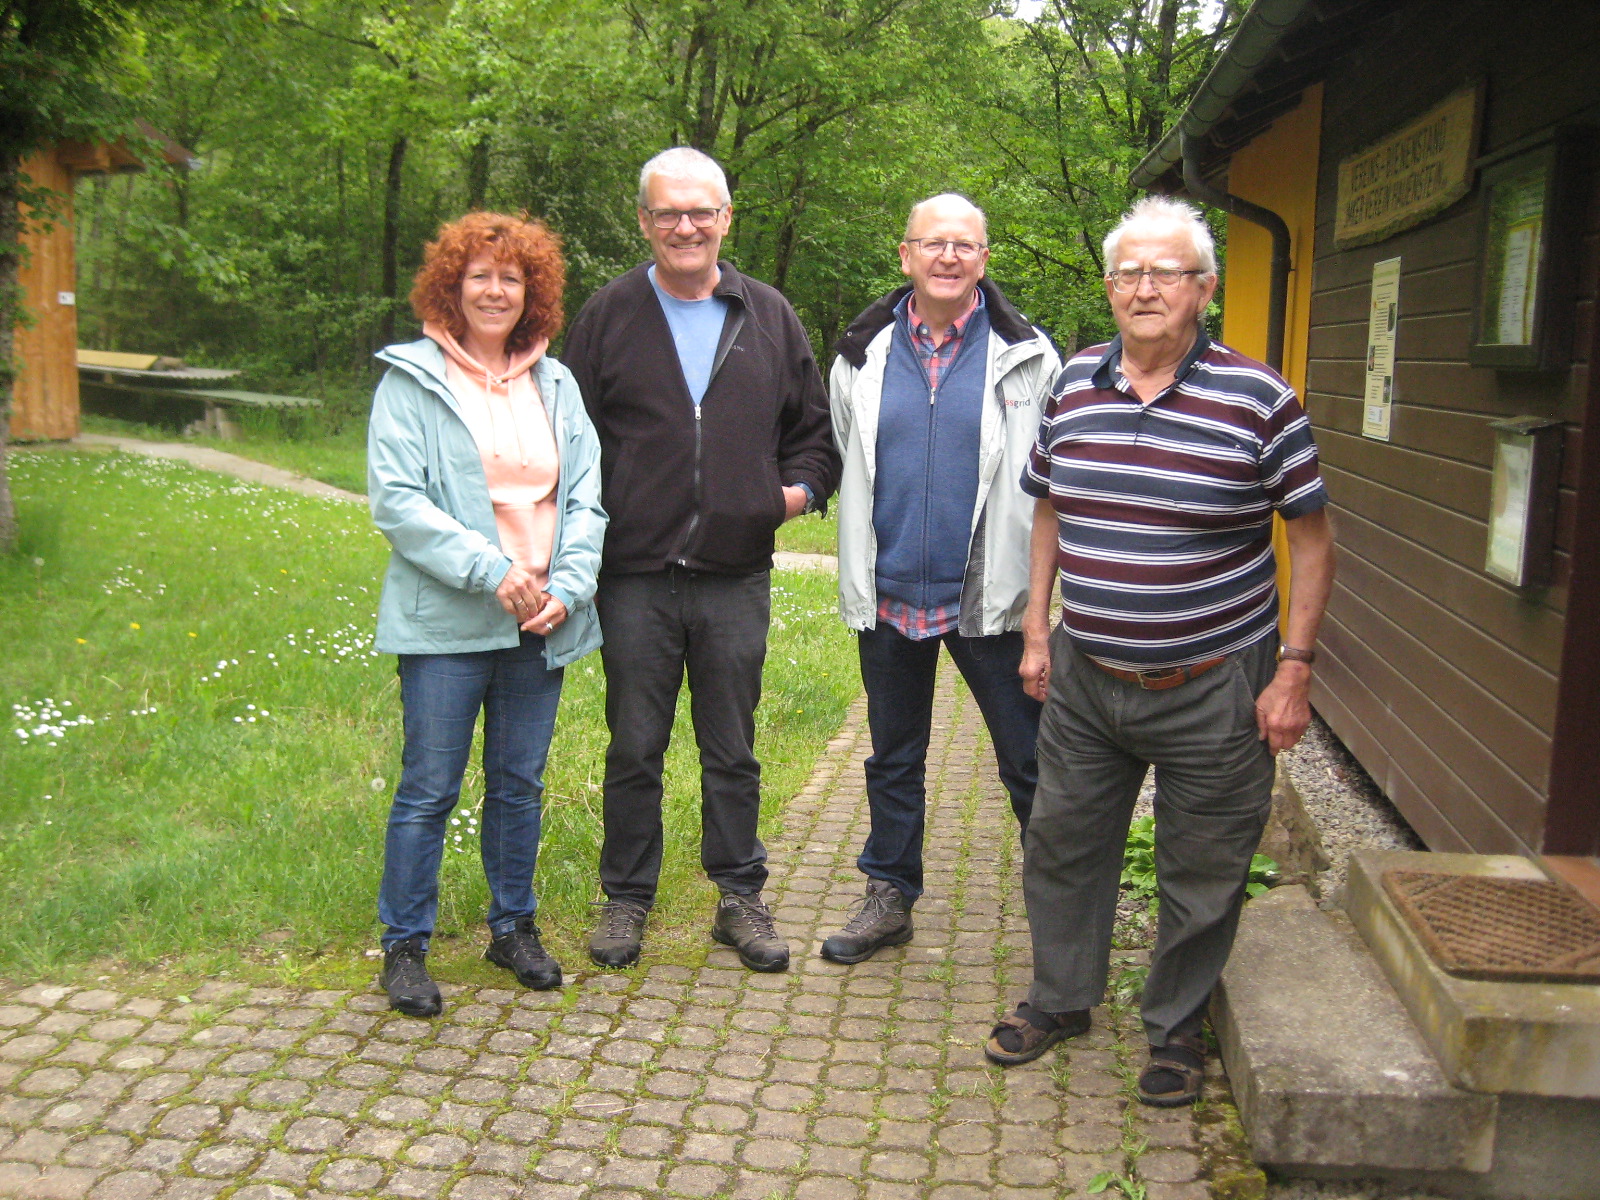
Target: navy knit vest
column 927, row 478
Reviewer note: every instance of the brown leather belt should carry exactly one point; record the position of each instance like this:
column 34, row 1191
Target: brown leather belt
column 1167, row 677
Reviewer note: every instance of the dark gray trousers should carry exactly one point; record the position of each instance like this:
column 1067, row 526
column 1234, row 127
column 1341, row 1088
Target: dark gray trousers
column 657, row 626
column 1214, row 778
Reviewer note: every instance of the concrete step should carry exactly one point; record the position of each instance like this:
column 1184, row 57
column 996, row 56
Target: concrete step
column 1534, row 1039
column 1330, row 1075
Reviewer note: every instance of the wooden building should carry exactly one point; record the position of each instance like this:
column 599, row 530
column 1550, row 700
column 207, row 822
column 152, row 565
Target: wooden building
column 1443, row 150
column 44, row 403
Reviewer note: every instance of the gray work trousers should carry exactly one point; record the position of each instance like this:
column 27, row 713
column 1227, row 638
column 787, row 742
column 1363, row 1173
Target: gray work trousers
column 1214, row 778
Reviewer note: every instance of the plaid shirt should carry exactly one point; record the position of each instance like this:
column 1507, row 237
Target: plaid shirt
column 919, row 624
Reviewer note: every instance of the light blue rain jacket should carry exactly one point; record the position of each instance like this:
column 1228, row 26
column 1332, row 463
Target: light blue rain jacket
column 429, row 497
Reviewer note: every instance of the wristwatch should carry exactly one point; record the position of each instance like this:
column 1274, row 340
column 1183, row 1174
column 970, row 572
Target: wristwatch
column 1295, row 654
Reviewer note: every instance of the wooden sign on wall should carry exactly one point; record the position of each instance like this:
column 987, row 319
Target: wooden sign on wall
column 1401, row 181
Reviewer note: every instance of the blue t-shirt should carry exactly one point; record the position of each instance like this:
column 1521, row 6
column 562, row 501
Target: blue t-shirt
column 696, row 328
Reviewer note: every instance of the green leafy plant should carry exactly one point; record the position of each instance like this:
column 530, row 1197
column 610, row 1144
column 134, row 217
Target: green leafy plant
column 1106, row 1180
column 1139, row 861
column 1139, row 865
column 1263, row 875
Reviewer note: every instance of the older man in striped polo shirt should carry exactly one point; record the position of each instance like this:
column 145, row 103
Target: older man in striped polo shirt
column 1160, row 461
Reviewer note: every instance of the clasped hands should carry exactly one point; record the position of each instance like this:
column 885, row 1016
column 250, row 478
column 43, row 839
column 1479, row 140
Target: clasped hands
column 536, row 610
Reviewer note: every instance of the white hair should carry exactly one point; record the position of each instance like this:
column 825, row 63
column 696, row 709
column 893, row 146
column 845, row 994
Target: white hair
column 1165, row 213
column 683, row 162
column 947, row 200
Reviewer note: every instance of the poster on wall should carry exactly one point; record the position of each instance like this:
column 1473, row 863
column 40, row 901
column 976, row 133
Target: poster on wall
column 1382, row 322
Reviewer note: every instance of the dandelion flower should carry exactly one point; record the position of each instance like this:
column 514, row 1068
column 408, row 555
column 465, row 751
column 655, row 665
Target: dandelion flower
column 83, row 641
column 192, row 633
column 133, row 625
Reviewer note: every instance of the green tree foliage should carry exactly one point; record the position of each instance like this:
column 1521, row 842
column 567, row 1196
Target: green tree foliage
column 62, row 67
column 1086, row 90
column 337, row 134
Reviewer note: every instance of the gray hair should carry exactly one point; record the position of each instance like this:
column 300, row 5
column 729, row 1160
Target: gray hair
column 1165, row 213
column 683, row 162
column 947, row 199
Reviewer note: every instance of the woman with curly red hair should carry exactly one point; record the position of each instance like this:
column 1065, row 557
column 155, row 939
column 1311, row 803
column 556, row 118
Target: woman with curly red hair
column 483, row 471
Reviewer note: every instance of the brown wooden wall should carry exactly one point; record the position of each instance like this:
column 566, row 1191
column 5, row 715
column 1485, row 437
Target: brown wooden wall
column 1441, row 679
column 45, row 403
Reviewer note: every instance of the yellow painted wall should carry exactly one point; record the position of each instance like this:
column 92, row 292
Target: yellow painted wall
column 1278, row 170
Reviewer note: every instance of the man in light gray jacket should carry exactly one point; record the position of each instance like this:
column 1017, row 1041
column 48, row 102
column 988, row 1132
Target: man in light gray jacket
column 936, row 395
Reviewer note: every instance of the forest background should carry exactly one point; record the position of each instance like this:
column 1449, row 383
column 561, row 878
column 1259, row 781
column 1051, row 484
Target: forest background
column 334, row 136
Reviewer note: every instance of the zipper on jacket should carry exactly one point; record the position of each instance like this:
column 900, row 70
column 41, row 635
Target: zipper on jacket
column 694, row 517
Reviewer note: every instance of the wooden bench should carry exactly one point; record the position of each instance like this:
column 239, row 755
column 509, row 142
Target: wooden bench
column 166, row 390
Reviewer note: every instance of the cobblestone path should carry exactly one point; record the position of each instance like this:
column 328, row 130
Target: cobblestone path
column 825, row 1083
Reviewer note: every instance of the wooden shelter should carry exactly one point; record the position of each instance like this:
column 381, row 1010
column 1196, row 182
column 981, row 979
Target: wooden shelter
column 44, row 403
column 1432, row 163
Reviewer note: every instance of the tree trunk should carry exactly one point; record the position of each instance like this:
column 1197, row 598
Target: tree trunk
column 391, row 239
column 10, row 247
column 478, row 174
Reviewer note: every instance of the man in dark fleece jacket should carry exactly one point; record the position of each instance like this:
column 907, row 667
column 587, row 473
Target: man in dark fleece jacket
column 713, row 430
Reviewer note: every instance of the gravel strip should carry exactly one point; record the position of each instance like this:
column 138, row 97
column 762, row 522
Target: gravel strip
column 1349, row 811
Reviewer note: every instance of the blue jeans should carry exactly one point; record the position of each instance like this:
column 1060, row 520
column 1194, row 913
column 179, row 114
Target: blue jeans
column 441, row 695
column 898, row 674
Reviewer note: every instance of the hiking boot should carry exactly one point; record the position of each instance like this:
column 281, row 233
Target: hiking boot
column 744, row 923
column 884, row 919
column 615, row 941
column 405, row 977
column 521, row 953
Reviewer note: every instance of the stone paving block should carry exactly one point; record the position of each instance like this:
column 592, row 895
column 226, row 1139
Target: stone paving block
column 226, row 1160
column 695, row 1081
column 128, row 1185
column 74, row 1114
column 192, row 1189
column 416, row 1183
column 568, row 1166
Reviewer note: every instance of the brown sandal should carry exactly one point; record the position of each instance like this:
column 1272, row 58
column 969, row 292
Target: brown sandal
column 1031, row 1040
column 1188, row 1075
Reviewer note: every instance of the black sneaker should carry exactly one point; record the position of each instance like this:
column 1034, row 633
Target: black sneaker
column 884, row 919
column 405, row 978
column 615, row 941
column 744, row 923
column 521, row 953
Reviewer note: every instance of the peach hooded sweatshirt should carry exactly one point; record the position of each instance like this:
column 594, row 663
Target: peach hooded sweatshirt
column 506, row 416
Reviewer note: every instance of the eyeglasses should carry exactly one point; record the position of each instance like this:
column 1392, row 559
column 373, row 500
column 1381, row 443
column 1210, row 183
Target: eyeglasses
column 700, row 218
column 934, row 247
column 1165, row 278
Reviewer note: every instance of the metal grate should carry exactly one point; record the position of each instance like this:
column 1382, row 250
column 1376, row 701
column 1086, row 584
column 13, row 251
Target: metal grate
column 1491, row 927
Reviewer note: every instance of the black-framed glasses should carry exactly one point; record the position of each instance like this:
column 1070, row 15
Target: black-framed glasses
column 934, row 247
column 700, row 218
column 1127, row 279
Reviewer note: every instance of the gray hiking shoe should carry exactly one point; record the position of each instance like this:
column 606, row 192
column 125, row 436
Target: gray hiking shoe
column 744, row 923
column 884, row 919
column 615, row 941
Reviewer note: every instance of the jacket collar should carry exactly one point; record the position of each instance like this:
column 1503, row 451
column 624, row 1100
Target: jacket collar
column 732, row 286
column 1004, row 320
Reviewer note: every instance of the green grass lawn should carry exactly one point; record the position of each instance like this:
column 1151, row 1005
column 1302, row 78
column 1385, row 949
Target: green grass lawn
column 202, row 745
column 341, row 460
